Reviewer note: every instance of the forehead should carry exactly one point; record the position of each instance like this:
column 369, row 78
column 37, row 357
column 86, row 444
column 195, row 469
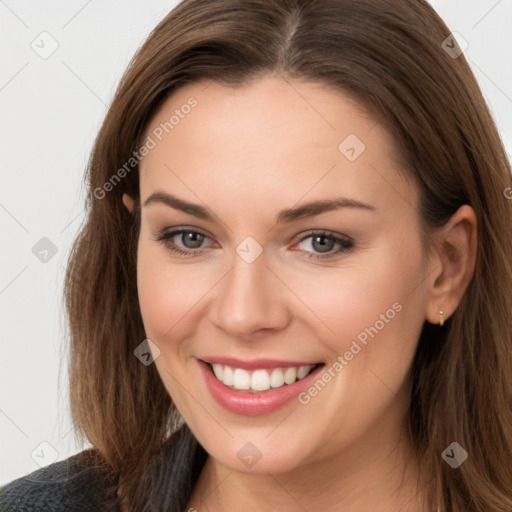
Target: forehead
column 275, row 138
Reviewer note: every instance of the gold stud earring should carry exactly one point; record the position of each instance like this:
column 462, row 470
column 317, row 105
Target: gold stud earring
column 441, row 322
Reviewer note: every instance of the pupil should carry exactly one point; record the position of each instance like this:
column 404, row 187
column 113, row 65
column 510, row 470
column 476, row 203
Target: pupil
column 195, row 240
column 323, row 247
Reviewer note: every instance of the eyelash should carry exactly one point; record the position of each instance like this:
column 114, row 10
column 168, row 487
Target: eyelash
column 165, row 238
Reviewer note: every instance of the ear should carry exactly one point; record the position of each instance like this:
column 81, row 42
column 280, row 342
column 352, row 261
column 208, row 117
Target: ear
column 453, row 262
column 128, row 202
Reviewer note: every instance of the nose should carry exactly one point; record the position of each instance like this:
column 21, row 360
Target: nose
column 250, row 300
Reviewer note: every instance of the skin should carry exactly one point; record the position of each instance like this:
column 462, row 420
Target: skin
column 245, row 154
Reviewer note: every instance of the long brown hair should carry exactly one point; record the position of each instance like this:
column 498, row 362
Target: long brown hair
column 389, row 55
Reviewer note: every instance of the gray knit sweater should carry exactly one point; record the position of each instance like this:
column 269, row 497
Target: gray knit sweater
column 70, row 485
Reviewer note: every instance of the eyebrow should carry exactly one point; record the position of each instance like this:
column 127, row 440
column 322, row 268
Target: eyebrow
column 288, row 215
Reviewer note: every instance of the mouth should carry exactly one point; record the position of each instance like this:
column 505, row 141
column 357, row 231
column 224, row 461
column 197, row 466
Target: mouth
column 258, row 380
column 256, row 387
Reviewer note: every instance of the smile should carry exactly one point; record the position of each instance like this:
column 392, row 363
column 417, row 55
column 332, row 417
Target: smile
column 261, row 379
column 256, row 387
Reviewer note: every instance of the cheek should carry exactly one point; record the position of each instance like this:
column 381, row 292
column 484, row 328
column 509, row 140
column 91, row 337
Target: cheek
column 163, row 296
column 375, row 301
column 169, row 292
column 376, row 312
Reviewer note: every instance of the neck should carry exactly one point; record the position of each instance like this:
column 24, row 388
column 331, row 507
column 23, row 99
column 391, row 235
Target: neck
column 369, row 475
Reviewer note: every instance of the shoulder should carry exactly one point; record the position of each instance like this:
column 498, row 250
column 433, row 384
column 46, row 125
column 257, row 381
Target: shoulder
column 75, row 483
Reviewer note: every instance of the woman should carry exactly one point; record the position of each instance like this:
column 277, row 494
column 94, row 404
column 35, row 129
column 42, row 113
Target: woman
column 293, row 288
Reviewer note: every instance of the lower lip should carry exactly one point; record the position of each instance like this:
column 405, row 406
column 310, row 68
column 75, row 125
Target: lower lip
column 253, row 404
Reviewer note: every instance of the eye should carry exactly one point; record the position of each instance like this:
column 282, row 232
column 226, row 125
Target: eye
column 190, row 240
column 323, row 242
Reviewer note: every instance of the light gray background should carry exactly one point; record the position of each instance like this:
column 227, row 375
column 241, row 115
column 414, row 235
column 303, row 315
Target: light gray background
column 51, row 110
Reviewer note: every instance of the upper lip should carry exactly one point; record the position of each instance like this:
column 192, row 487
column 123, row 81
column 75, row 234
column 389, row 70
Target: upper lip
column 255, row 363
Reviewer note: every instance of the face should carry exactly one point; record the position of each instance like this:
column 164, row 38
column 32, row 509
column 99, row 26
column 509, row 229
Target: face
column 309, row 315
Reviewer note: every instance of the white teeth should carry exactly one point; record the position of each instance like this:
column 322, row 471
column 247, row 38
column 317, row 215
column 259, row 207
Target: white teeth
column 277, row 378
column 259, row 380
column 227, row 378
column 290, row 375
column 303, row 371
column 218, row 370
column 241, row 379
